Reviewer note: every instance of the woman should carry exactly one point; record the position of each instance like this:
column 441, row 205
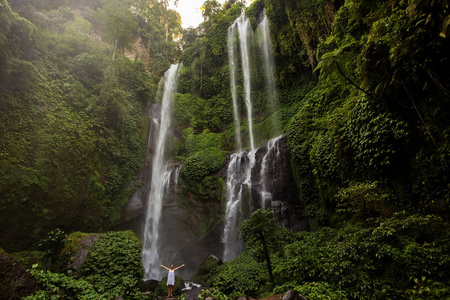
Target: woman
column 171, row 278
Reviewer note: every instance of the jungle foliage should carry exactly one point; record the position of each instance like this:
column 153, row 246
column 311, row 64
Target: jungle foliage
column 363, row 96
column 112, row 268
column 72, row 96
column 401, row 257
column 372, row 136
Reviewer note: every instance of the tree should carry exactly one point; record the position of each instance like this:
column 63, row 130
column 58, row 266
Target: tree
column 168, row 16
column 119, row 25
column 210, row 8
column 263, row 236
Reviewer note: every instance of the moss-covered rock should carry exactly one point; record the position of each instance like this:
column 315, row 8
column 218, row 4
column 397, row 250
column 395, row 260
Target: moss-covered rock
column 15, row 282
column 78, row 246
column 27, row 258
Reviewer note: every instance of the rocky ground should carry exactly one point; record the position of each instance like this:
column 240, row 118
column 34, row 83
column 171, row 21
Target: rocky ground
column 192, row 294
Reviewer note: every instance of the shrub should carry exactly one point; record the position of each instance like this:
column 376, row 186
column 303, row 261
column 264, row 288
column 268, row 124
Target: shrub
column 202, row 164
column 60, row 286
column 114, row 266
column 52, row 246
column 244, row 275
column 207, row 270
column 379, row 262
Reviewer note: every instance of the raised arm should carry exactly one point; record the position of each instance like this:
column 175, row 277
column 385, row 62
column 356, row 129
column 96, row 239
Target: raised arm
column 165, row 268
column 179, row 267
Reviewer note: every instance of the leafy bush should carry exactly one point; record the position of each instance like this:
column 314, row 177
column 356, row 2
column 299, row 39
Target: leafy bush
column 207, row 271
column 402, row 257
column 60, row 286
column 52, row 247
column 199, row 142
column 244, row 275
column 381, row 261
column 312, row 290
column 214, row 293
column 202, row 164
column 114, row 265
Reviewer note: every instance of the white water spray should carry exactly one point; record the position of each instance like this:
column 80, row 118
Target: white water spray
column 272, row 155
column 263, row 33
column 160, row 179
column 238, row 182
column 243, row 27
column 241, row 164
column 233, row 64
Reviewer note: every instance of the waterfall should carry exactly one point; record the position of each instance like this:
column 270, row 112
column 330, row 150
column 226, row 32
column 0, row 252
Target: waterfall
column 243, row 27
column 176, row 176
column 232, row 61
column 268, row 166
column 160, row 179
column 236, row 181
column 263, row 33
column 241, row 164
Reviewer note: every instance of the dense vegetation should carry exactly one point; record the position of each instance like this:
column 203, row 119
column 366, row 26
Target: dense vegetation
column 72, row 105
column 363, row 90
column 363, row 98
column 401, row 257
column 112, row 268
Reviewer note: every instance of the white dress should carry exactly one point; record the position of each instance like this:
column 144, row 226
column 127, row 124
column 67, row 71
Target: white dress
column 171, row 277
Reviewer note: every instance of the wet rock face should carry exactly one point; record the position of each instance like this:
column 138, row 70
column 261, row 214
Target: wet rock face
column 182, row 236
column 191, row 228
column 274, row 186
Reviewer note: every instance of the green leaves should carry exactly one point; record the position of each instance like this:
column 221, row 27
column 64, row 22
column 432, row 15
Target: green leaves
column 244, row 275
column 373, row 262
column 53, row 245
column 202, row 163
column 114, row 265
column 62, row 286
column 118, row 23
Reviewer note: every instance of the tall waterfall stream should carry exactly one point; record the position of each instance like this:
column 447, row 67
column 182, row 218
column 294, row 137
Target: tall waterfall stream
column 160, row 177
column 239, row 173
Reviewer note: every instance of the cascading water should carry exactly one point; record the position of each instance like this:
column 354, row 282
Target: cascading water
column 243, row 27
column 263, row 33
column 160, row 179
column 272, row 155
column 241, row 164
column 233, row 208
column 233, row 63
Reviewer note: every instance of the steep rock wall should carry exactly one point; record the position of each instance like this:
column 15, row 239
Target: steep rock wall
column 191, row 225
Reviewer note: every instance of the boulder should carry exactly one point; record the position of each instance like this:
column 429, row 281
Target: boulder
column 85, row 245
column 15, row 282
column 150, row 285
column 293, row 295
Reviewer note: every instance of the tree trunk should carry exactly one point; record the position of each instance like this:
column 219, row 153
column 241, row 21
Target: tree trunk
column 115, row 49
column 267, row 256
